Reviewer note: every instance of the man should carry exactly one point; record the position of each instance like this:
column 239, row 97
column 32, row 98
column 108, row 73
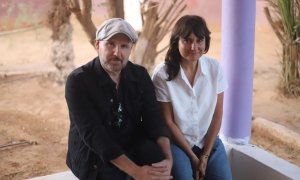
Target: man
column 117, row 130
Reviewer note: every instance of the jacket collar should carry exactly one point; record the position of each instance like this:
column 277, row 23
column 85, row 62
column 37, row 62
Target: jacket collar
column 103, row 77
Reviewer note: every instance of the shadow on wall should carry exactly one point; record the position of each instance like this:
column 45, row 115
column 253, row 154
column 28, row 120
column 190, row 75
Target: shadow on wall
column 16, row 14
column 19, row 14
column 212, row 11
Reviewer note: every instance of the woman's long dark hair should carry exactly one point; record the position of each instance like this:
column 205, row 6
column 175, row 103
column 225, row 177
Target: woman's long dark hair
column 183, row 28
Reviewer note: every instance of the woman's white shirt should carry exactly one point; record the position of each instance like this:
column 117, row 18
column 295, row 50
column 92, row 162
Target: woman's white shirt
column 193, row 107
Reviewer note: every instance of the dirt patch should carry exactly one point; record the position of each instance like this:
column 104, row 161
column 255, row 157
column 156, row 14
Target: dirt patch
column 32, row 109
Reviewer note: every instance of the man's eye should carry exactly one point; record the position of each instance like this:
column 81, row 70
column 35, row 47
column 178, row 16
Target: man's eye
column 125, row 46
column 110, row 44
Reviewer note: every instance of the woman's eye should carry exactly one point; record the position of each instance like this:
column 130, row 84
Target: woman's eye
column 186, row 41
column 199, row 40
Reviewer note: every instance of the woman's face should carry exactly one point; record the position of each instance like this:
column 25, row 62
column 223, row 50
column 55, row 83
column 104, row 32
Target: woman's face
column 191, row 48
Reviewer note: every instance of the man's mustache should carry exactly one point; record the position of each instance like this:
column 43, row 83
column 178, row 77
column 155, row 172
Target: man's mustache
column 116, row 59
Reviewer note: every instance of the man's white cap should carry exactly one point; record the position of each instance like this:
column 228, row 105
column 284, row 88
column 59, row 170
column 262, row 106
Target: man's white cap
column 114, row 26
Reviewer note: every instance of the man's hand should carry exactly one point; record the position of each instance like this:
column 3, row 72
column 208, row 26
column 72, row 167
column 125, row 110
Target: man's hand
column 158, row 171
column 165, row 166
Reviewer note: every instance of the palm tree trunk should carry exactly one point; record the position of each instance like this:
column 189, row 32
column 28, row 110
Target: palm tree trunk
column 62, row 54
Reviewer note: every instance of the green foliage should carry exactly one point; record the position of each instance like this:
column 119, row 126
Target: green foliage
column 287, row 28
column 289, row 11
column 286, row 11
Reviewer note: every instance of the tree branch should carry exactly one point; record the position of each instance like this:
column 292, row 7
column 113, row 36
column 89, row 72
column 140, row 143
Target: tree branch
column 273, row 25
column 162, row 49
column 84, row 17
column 166, row 28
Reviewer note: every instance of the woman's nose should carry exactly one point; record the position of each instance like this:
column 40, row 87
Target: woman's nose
column 194, row 46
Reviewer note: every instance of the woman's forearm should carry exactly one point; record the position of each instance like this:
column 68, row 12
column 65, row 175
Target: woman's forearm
column 214, row 127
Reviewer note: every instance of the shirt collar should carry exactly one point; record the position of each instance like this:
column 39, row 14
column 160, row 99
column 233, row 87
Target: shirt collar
column 202, row 67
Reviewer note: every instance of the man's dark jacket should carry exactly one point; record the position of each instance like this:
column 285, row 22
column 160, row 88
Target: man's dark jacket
column 89, row 96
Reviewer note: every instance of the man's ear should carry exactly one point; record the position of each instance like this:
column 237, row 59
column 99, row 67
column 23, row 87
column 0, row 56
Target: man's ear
column 96, row 44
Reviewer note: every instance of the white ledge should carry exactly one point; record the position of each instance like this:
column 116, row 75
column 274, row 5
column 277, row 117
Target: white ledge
column 247, row 162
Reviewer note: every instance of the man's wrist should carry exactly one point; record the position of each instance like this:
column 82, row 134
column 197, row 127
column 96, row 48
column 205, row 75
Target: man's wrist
column 169, row 158
column 126, row 165
column 134, row 172
column 170, row 161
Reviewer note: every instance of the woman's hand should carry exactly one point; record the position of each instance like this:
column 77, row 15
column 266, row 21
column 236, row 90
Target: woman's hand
column 202, row 166
column 195, row 165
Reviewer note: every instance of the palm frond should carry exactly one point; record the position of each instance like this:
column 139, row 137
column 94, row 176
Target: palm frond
column 286, row 11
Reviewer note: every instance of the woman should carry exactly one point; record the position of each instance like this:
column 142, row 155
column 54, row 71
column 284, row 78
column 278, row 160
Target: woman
column 190, row 88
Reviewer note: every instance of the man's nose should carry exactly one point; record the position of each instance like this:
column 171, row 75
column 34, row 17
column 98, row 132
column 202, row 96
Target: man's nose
column 117, row 51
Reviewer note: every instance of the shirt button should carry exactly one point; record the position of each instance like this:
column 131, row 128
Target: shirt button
column 111, row 100
column 95, row 166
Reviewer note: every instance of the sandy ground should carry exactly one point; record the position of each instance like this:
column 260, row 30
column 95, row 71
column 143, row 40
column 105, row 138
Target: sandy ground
column 33, row 108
